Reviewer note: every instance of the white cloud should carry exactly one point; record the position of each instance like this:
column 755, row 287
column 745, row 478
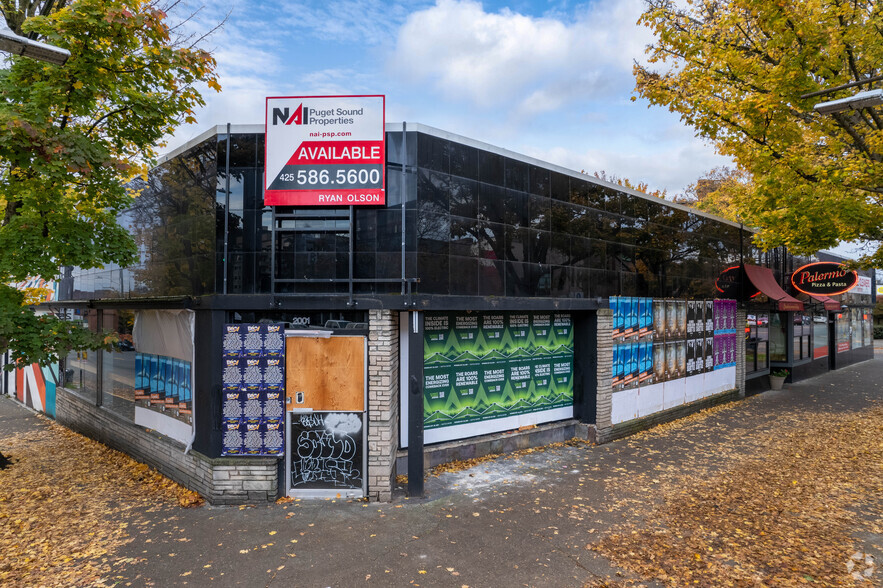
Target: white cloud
column 516, row 62
column 370, row 22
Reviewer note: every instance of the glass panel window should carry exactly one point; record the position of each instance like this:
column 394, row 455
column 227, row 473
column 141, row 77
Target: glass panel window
column 802, row 332
column 118, row 366
column 855, row 327
column 820, row 335
column 763, row 355
column 757, row 342
column 81, row 370
column 750, row 355
column 778, row 338
column 842, row 334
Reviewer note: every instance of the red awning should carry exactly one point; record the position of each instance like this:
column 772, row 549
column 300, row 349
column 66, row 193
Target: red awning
column 830, row 303
column 764, row 280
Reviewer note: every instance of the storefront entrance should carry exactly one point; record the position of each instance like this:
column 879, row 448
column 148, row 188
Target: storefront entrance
column 325, row 400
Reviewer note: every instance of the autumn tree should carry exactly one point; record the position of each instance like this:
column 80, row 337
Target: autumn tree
column 740, row 71
column 627, row 183
column 717, row 191
column 72, row 137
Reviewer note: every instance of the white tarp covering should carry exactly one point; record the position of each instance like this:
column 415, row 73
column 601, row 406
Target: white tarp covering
column 165, row 332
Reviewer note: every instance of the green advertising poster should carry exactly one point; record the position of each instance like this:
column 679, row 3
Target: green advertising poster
column 480, row 367
column 541, row 330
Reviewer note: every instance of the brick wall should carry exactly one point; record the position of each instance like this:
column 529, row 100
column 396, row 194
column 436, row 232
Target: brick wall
column 224, row 480
column 383, row 402
column 740, row 351
column 603, row 419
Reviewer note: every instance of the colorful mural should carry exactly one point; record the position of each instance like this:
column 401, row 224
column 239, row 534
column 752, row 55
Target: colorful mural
column 34, row 387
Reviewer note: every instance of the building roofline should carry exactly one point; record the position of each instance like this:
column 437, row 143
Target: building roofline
column 418, row 127
column 207, row 134
column 441, row 134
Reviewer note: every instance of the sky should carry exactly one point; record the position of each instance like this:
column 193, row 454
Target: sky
column 551, row 79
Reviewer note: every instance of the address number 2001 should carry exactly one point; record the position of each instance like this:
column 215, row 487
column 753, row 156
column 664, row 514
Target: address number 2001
column 323, row 177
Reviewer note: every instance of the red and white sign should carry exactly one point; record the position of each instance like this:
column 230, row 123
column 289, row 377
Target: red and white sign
column 325, row 151
column 863, row 286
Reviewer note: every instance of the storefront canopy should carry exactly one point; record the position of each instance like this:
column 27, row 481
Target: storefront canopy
column 830, row 303
column 763, row 279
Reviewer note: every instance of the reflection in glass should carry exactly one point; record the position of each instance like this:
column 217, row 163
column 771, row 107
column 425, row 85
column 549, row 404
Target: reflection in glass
column 778, row 338
column 534, row 231
column 81, row 367
column 118, row 365
column 820, row 334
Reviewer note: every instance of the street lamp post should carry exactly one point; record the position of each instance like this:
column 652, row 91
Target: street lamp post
column 865, row 99
column 18, row 45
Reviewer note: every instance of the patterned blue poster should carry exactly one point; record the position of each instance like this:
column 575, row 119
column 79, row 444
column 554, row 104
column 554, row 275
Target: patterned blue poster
column 253, row 388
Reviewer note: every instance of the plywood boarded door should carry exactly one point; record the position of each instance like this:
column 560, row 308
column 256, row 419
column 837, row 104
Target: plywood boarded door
column 325, row 374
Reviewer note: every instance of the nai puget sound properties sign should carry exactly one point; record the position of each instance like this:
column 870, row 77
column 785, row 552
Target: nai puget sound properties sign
column 324, row 151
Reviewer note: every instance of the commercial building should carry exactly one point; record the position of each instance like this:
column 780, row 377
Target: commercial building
column 492, row 302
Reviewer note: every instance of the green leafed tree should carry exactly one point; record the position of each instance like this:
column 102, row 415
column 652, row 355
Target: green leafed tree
column 717, row 191
column 72, row 137
column 739, row 71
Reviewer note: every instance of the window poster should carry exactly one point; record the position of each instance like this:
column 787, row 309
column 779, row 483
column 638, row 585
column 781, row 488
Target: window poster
column 645, row 318
column 671, row 319
column 253, row 385
column 480, row 367
column 681, row 317
column 681, row 358
column 631, row 325
column 671, row 360
column 618, row 308
column 709, row 317
column 659, row 325
column 629, row 354
column 645, row 363
column 709, row 353
column 618, row 367
column 691, row 317
column 691, row 356
column 659, row 372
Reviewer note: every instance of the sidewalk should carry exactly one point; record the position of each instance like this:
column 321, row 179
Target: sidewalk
column 520, row 521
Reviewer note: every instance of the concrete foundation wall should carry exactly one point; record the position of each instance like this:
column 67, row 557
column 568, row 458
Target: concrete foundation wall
column 498, row 443
column 631, row 427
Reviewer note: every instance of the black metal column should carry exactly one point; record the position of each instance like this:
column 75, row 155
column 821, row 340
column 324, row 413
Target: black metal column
column 207, row 397
column 415, row 404
column 585, row 366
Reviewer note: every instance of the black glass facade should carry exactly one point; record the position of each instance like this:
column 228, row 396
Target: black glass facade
column 488, row 224
column 173, row 224
column 477, row 222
